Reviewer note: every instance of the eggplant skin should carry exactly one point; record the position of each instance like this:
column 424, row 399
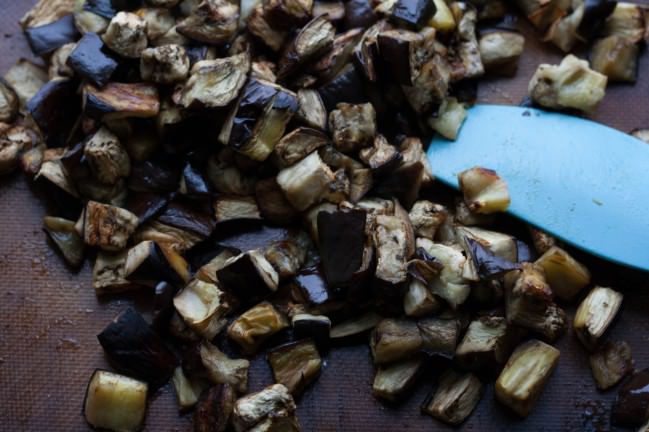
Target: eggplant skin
column 90, row 60
column 413, row 13
column 214, row 409
column 136, row 349
column 55, row 109
column 47, row 38
column 342, row 242
column 121, row 100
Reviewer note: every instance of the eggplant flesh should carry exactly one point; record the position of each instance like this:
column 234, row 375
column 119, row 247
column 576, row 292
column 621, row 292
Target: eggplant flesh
column 47, row 38
column 137, row 350
column 121, row 100
column 295, row 365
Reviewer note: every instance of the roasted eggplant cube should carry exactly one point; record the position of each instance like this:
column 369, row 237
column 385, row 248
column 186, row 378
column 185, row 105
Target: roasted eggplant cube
column 214, row 409
column 253, row 409
column 500, row 51
column 136, row 349
column 400, row 50
column 455, row 398
column 610, row 363
column 55, row 109
column 392, row 242
column 126, row 35
column 484, row 191
column 107, row 227
column 627, row 20
column 449, row 119
column 121, row 100
column 203, row 307
column 256, row 325
column 616, row 57
column 106, row 156
column 427, row 217
column 47, row 38
column 259, row 27
column 295, row 365
column 109, row 273
column 310, row 287
column 311, row 110
column 26, row 79
column 419, row 301
column 67, row 240
column 566, row 276
column 231, row 208
column 91, row 61
column 164, row 64
column 341, row 241
column 528, row 369
column 147, row 263
column 222, row 369
column 395, row 339
column 115, row 402
column 631, row 405
column 440, row 336
column 272, row 203
column 392, row 382
column 487, row 343
column 382, row 157
column 316, row 327
column 312, row 40
column 595, row 315
column 249, row 276
column 211, row 21
column 412, row 151
column 451, row 285
column 298, row 144
column 306, row 182
column 353, row 126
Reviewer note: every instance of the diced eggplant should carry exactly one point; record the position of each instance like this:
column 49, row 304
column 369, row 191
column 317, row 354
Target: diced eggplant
column 313, row 39
column 187, row 217
column 566, row 276
column 311, row 110
column 8, row 102
column 109, row 273
column 426, row 218
column 412, row 150
column 212, row 22
column 359, row 14
column 273, row 402
column 392, row 382
column 136, row 349
column 450, row 285
column 46, row 11
column 430, row 85
column 107, row 227
column 126, row 35
column 360, row 177
column 295, row 364
column 310, row 287
column 288, row 256
column 288, row 13
column 466, row 217
column 215, row 83
column 440, row 336
column 627, row 20
column 46, row 38
column 258, row 26
column 58, row 67
column 249, row 276
column 316, row 327
column 391, row 239
column 145, row 205
column 188, row 392
column 449, row 118
column 571, row 84
column 352, row 126
column 104, row 8
column 226, row 178
column 419, row 301
column 298, row 144
column 455, row 398
column 208, row 268
column 228, row 208
column 382, row 157
column 338, row 56
column 158, row 21
column 486, row 344
column 306, row 182
column 272, row 203
column 521, row 382
column 148, row 262
column 63, row 234
column 631, row 405
column 256, row 325
column 395, row 339
column 106, row 157
column 13, row 142
column 355, row 326
column 115, row 402
column 484, row 191
column 594, row 17
column 341, row 240
column 91, row 61
column 616, row 57
column 203, row 307
column 214, row 409
column 611, row 363
column 120, row 100
column 55, row 110
column 89, row 22
column 403, row 183
column 26, row 79
column 563, row 31
column 59, row 187
column 412, row 14
column 488, row 265
column 595, row 314
column 164, row 64
column 263, row 70
column 223, row 370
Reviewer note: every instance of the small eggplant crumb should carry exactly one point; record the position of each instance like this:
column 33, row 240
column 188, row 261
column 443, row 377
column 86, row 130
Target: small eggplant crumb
column 595, row 315
column 528, row 369
column 26, row 79
column 455, row 398
column 484, row 191
column 610, row 363
column 256, row 325
column 273, row 402
column 295, row 365
column 395, row 339
column 392, row 382
column 115, row 402
column 566, row 276
column 221, row 369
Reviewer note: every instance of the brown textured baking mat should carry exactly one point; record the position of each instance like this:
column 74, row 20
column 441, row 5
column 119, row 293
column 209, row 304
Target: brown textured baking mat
column 49, row 316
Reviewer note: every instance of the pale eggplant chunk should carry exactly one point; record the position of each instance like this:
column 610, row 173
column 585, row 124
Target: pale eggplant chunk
column 256, row 325
column 610, row 363
column 211, row 21
column 26, row 79
column 306, row 182
column 440, row 336
column 295, row 365
column 203, row 307
column 616, row 57
column 115, row 402
column 484, row 190
column 395, row 339
column 528, row 369
column 222, row 369
column 595, row 315
column 148, row 262
column 126, row 35
column 455, row 397
column 566, row 276
column 353, row 126
column 275, row 401
column 392, row 382
column 487, row 343
column 106, row 156
column 121, row 100
column 107, row 227
column 164, row 64
column 63, row 234
column 393, row 249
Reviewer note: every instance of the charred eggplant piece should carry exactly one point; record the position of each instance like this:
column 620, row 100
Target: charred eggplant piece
column 611, row 363
column 353, row 126
column 295, row 365
column 393, row 381
column 426, row 218
column 616, row 57
column 394, row 245
column 249, row 276
column 346, row 87
column 382, row 157
column 115, row 402
column 312, row 40
column 595, row 314
column 455, row 398
column 359, row 14
column 188, row 392
column 631, row 406
column 148, row 262
column 341, row 240
column 214, row 409
column 203, row 307
column 55, row 110
column 119, row 100
column 440, row 336
column 91, row 61
column 109, row 273
column 126, row 35
column 395, row 339
column 316, row 327
column 288, row 13
column 46, row 38
column 107, row 227
column 521, row 382
column 63, row 234
column 566, row 276
column 298, row 144
column 164, row 64
column 486, row 344
column 223, row 370
column 212, row 22
column 190, row 218
column 412, row 150
column 272, row 203
column 256, row 325
column 129, row 342
column 274, row 403
column 341, row 51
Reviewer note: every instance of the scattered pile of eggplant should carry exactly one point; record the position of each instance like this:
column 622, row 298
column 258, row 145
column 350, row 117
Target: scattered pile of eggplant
column 160, row 127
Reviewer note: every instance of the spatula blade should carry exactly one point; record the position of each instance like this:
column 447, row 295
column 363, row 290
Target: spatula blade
column 581, row 181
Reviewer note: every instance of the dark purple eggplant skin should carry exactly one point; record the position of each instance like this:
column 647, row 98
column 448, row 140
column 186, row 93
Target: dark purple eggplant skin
column 163, row 307
column 55, row 109
column 74, row 162
column 255, row 96
column 91, row 61
column 595, row 13
column 242, row 279
column 312, row 286
column 187, row 218
column 137, row 350
column 191, row 362
column 126, row 5
column 358, row 14
column 196, row 53
column 197, row 186
column 395, row 53
column 489, row 266
column 314, row 329
column 347, row 86
column 154, row 176
column 47, row 38
column 524, row 252
column 403, row 184
column 413, row 14
column 155, row 267
column 213, row 410
column 146, row 205
column 103, row 8
column 631, row 405
column 341, row 239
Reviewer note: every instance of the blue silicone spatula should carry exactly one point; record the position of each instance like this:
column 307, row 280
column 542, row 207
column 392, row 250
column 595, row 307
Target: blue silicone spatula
column 583, row 182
